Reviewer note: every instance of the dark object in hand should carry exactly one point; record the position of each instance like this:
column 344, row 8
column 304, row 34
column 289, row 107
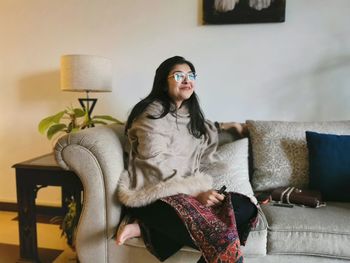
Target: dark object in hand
column 222, row 189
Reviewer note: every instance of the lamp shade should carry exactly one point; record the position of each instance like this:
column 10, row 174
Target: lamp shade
column 86, row 73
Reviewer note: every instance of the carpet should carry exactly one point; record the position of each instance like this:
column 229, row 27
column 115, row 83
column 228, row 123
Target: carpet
column 10, row 254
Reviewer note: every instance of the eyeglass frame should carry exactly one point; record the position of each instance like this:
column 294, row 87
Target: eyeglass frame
column 184, row 75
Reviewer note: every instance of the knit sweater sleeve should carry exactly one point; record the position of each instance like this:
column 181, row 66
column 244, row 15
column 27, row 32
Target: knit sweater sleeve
column 210, row 163
column 149, row 152
column 212, row 140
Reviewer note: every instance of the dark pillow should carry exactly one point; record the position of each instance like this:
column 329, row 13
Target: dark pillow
column 329, row 165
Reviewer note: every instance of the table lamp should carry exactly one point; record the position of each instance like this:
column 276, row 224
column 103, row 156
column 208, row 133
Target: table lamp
column 86, row 73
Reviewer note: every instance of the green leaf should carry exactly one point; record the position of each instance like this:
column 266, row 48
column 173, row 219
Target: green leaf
column 107, row 118
column 69, row 127
column 86, row 117
column 49, row 121
column 55, row 129
column 75, row 129
column 98, row 122
column 79, row 112
column 70, row 221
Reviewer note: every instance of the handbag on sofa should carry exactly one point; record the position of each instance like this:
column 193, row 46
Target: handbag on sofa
column 293, row 195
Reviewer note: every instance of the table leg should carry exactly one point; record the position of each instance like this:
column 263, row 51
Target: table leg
column 26, row 194
column 64, row 198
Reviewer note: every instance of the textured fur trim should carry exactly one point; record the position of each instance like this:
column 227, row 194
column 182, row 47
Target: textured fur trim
column 191, row 185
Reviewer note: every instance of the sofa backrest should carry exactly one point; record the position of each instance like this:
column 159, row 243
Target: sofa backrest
column 279, row 151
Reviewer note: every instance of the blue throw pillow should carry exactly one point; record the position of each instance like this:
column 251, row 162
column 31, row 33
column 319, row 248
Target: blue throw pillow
column 329, row 165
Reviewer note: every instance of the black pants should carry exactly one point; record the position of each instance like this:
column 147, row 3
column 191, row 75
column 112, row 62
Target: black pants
column 164, row 232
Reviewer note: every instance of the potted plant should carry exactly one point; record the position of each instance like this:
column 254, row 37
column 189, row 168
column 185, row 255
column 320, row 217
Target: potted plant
column 71, row 120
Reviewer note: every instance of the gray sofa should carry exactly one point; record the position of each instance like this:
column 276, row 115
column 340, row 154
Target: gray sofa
column 297, row 234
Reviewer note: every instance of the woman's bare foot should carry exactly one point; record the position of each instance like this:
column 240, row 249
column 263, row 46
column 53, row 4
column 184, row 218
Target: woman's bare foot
column 126, row 232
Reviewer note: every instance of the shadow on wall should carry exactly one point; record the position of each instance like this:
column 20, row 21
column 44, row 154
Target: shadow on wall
column 320, row 93
column 41, row 88
column 331, row 84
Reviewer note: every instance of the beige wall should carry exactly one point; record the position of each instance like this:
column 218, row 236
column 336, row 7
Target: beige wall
column 297, row 70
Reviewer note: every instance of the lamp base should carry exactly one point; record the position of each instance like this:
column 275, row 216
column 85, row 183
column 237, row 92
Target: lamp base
column 85, row 104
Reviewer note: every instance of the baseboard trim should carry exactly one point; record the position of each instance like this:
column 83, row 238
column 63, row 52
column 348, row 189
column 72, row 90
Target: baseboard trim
column 40, row 209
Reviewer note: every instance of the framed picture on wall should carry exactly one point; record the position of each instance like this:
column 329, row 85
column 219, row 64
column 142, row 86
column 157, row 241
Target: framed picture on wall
column 243, row 11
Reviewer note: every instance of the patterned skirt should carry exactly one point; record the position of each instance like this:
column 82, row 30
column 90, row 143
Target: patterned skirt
column 212, row 229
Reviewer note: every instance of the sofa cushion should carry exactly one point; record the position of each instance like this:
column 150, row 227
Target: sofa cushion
column 280, row 155
column 323, row 231
column 257, row 239
column 236, row 176
column 255, row 245
column 329, row 163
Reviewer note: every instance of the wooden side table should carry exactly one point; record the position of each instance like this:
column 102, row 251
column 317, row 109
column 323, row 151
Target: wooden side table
column 31, row 176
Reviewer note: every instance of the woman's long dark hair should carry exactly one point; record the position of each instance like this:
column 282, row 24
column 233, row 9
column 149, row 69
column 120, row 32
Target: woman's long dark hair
column 160, row 93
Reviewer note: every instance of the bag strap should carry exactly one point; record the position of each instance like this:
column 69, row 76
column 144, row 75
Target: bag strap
column 283, row 193
column 320, row 204
column 288, row 194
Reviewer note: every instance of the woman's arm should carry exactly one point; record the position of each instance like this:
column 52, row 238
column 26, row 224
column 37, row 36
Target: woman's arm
column 236, row 128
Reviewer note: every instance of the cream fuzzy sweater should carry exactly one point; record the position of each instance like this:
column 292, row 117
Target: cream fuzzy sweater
column 165, row 159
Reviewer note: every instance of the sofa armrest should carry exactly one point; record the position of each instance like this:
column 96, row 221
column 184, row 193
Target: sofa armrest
column 96, row 156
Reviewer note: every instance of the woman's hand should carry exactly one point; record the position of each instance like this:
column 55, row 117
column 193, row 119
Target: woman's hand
column 235, row 127
column 210, row 198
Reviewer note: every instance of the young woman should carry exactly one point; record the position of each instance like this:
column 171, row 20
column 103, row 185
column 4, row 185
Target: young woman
column 166, row 188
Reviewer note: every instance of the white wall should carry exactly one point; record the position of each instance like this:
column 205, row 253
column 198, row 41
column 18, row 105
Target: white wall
column 297, row 70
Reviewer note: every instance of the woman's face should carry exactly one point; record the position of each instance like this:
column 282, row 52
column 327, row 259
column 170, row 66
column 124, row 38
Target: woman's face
column 181, row 82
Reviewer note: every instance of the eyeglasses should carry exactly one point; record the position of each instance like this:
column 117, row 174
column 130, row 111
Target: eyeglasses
column 180, row 76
